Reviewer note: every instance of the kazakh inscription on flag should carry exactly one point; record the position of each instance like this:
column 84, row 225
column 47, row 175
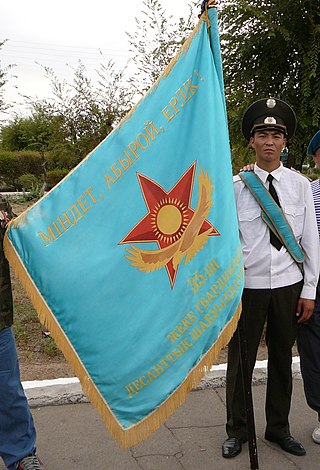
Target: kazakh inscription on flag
column 133, row 261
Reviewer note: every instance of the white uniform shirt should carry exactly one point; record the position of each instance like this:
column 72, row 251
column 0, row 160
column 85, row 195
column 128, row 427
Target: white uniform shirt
column 265, row 266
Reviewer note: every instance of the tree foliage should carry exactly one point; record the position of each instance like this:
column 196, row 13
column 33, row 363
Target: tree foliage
column 272, row 48
column 269, row 47
column 15, row 164
column 82, row 113
column 66, row 128
column 156, row 40
column 3, row 80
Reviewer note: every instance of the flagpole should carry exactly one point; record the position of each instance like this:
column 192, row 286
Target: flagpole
column 208, row 4
column 246, row 383
column 212, row 3
column 247, row 392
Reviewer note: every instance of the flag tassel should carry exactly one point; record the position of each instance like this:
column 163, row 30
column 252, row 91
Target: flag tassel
column 136, row 433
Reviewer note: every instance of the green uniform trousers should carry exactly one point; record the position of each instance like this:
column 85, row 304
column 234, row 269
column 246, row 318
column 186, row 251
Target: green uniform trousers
column 277, row 307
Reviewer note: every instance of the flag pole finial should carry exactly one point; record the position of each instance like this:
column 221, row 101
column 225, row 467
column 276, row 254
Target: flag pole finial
column 208, row 4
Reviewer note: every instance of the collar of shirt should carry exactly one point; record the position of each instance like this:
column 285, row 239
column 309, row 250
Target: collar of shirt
column 263, row 175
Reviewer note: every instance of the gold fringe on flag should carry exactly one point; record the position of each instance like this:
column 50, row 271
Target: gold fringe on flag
column 136, row 433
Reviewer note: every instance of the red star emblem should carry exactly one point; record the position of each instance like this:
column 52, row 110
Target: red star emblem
column 168, row 218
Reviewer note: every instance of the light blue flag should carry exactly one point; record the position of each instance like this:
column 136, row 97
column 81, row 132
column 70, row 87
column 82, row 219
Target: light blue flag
column 133, row 261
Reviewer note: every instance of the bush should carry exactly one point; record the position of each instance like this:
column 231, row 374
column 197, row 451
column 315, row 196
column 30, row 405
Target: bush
column 15, row 164
column 54, row 176
column 60, row 158
column 9, row 169
column 30, row 162
column 313, row 176
column 28, row 182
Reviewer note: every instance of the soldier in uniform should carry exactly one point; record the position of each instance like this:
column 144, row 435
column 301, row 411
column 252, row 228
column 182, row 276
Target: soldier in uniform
column 309, row 333
column 277, row 289
column 17, row 431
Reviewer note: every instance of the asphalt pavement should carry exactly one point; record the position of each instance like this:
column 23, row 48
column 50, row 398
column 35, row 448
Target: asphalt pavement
column 73, row 436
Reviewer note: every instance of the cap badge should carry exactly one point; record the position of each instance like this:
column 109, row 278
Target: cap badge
column 270, row 120
column 271, row 103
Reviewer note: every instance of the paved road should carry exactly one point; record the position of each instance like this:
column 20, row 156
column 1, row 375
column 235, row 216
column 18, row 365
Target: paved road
column 73, row 437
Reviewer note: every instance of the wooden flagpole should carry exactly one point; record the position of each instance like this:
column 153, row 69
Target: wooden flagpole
column 246, row 382
column 247, row 392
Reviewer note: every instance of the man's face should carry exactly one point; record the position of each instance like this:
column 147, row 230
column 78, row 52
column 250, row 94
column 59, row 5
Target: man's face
column 316, row 158
column 268, row 146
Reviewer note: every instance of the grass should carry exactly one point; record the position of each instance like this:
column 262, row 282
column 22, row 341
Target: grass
column 31, row 336
column 33, row 341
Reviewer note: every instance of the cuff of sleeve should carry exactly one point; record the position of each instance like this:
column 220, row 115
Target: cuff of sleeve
column 308, row 292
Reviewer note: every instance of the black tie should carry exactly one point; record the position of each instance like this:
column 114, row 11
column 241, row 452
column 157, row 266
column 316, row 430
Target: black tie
column 274, row 240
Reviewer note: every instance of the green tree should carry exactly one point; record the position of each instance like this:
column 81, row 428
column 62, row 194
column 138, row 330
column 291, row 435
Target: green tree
column 3, row 80
column 40, row 132
column 9, row 170
column 272, row 48
column 15, row 164
column 86, row 112
column 82, row 113
column 66, row 128
column 31, row 133
column 156, row 41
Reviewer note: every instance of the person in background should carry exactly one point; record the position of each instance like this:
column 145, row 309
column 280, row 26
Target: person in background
column 275, row 289
column 17, row 431
column 308, row 339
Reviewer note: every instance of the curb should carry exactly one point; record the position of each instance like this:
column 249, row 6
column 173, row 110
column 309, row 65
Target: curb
column 54, row 392
column 217, row 375
column 69, row 390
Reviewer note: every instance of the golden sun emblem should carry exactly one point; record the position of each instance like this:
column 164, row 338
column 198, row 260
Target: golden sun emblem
column 169, row 219
column 179, row 231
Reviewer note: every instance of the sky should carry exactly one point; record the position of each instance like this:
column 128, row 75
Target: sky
column 62, row 32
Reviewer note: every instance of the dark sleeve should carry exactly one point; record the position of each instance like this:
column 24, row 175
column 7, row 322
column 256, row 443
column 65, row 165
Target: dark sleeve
column 6, row 303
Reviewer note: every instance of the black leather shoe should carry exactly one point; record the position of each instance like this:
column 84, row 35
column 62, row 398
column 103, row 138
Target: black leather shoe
column 288, row 444
column 231, row 447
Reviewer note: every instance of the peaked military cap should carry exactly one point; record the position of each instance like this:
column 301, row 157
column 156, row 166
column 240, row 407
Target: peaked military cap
column 269, row 114
column 314, row 144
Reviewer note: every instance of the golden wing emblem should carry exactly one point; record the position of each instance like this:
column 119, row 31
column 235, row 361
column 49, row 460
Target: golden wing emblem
column 150, row 260
column 190, row 242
